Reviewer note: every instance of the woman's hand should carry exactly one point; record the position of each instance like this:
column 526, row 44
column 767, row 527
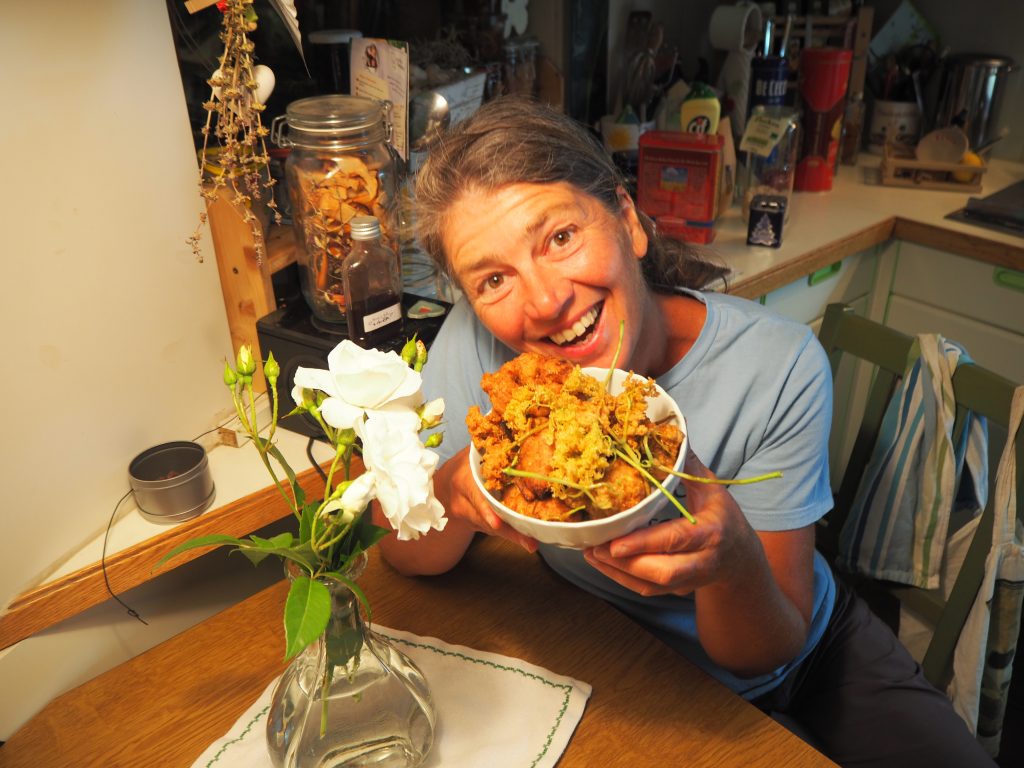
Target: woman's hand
column 456, row 489
column 468, row 513
column 753, row 590
column 677, row 557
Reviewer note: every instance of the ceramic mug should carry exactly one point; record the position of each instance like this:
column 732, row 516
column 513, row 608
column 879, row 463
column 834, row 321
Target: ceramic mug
column 898, row 121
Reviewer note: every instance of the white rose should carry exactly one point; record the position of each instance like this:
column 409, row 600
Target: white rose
column 432, row 413
column 354, row 500
column 360, row 381
column 402, row 470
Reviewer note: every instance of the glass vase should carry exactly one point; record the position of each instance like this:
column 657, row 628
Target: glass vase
column 351, row 698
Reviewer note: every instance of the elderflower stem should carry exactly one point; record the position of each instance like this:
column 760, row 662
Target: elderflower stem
column 720, row 481
column 664, row 491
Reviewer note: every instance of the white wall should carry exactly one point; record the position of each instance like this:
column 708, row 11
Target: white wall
column 113, row 331
column 114, row 335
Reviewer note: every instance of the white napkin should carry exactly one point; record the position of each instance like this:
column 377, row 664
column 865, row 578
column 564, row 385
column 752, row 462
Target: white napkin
column 491, row 710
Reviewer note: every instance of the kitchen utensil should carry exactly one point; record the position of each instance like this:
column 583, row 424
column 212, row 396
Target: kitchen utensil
column 943, row 145
column 785, row 35
column 428, row 117
column 897, row 121
column 971, row 94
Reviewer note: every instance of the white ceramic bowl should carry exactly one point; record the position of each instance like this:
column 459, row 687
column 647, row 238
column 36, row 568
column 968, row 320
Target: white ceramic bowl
column 590, row 533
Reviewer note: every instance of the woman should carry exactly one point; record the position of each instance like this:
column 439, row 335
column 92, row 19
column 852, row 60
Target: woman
column 531, row 219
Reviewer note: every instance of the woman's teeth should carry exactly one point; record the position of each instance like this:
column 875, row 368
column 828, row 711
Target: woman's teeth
column 579, row 328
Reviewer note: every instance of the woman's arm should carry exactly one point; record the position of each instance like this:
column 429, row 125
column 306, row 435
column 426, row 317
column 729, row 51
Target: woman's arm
column 753, row 590
column 468, row 513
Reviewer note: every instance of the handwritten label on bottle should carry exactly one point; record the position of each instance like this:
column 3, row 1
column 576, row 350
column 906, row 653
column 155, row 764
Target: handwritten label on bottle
column 377, row 320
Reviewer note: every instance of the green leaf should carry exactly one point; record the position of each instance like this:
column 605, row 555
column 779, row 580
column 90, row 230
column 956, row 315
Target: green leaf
column 212, row 540
column 306, row 613
column 281, row 541
column 365, row 534
column 306, row 522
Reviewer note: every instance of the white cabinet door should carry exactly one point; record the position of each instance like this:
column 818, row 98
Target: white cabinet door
column 847, row 281
column 991, row 295
column 995, row 348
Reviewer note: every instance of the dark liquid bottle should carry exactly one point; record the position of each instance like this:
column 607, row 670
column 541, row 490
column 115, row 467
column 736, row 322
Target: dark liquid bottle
column 373, row 286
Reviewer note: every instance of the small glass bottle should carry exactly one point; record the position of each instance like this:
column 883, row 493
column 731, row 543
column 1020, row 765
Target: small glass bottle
column 373, row 286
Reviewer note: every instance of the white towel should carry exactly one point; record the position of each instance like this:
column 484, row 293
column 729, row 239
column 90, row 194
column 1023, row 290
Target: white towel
column 898, row 523
column 491, row 710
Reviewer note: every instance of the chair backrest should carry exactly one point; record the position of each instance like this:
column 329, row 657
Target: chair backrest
column 976, row 389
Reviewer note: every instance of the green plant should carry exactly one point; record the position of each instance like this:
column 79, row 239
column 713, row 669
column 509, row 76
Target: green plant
column 367, row 403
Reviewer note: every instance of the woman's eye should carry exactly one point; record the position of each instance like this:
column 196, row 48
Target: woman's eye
column 562, row 238
column 493, row 281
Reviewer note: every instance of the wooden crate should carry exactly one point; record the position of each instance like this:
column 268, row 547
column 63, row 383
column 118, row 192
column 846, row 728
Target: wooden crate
column 900, row 168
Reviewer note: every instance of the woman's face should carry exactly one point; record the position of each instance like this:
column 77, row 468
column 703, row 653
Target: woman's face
column 549, row 269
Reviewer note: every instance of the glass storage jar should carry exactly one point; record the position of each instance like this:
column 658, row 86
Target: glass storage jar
column 341, row 165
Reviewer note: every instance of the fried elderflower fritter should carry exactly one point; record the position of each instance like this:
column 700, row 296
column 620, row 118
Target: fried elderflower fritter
column 559, row 425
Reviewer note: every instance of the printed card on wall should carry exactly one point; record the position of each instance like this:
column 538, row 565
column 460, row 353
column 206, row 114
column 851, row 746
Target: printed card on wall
column 380, row 70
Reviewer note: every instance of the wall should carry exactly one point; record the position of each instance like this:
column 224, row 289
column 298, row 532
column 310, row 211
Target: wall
column 113, row 333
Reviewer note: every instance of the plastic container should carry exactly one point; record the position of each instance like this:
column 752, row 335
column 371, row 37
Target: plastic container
column 824, row 73
column 700, row 111
column 340, row 166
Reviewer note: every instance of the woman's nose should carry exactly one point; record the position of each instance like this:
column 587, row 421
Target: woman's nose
column 547, row 294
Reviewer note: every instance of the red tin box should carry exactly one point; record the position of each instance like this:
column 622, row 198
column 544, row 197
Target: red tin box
column 677, row 182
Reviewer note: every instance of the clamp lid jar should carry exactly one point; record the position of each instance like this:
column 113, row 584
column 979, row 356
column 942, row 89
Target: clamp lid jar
column 341, row 165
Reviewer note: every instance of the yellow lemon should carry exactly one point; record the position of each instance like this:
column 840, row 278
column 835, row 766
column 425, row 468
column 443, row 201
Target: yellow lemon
column 966, row 177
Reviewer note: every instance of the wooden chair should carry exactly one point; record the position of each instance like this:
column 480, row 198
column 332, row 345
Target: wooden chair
column 976, row 389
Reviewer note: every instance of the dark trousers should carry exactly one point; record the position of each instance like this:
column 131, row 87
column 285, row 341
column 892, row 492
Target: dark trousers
column 861, row 699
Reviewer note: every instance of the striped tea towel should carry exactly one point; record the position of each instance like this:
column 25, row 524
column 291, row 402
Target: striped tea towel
column 897, row 526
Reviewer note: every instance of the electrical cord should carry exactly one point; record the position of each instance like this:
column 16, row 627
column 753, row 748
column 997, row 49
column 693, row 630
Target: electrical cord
column 106, row 535
column 103, row 561
column 312, row 459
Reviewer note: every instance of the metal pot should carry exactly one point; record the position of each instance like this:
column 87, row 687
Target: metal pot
column 172, row 481
column 971, row 94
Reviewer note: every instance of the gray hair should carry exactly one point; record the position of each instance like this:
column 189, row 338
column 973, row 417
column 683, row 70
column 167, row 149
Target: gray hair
column 514, row 140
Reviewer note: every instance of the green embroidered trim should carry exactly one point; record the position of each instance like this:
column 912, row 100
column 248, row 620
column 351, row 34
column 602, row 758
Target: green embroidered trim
column 565, row 688
column 240, row 737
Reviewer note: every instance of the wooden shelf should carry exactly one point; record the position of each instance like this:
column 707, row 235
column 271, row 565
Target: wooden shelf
column 69, row 595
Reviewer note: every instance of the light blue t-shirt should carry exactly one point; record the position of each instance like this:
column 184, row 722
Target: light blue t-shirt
column 756, row 393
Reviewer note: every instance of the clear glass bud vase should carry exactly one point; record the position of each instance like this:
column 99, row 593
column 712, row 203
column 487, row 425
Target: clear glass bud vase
column 378, row 708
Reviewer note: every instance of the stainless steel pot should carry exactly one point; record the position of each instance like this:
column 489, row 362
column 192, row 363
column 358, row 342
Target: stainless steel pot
column 971, row 91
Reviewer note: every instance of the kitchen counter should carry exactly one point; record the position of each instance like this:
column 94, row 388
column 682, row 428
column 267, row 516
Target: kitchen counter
column 859, row 213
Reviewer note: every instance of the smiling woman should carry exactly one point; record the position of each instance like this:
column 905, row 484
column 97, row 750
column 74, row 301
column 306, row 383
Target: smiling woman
column 529, row 214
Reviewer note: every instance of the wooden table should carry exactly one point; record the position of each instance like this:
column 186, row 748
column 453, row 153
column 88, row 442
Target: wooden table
column 648, row 706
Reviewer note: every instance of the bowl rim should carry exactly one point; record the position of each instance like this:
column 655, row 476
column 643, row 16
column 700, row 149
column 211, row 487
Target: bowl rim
column 556, row 525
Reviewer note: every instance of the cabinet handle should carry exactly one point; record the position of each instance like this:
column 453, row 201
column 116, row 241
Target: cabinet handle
column 1009, row 278
column 824, row 273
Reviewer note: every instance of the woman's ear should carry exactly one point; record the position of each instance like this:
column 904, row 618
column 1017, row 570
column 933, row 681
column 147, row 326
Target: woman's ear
column 634, row 229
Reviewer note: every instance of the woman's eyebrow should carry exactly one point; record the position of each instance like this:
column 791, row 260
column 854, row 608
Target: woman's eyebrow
column 541, row 222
